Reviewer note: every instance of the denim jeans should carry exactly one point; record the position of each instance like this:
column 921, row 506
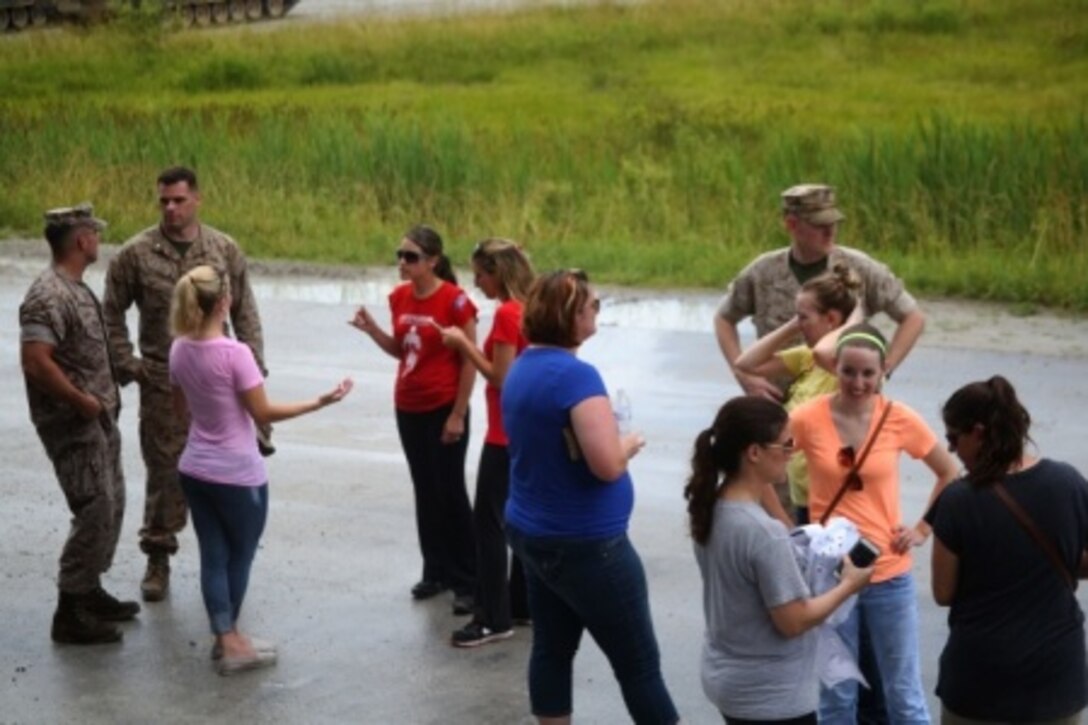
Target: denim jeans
column 891, row 619
column 599, row 585
column 228, row 521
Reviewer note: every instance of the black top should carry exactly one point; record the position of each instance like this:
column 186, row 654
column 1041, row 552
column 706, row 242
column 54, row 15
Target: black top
column 1015, row 648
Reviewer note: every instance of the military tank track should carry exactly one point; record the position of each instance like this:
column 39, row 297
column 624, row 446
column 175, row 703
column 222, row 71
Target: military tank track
column 18, row 15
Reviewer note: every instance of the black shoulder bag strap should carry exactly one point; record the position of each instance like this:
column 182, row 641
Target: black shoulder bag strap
column 1029, row 526
column 852, row 474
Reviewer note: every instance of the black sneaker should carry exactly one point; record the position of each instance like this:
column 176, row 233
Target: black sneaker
column 475, row 634
column 107, row 608
column 427, row 589
column 463, row 604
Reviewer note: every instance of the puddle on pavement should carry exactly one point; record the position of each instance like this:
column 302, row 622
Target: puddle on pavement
column 621, row 307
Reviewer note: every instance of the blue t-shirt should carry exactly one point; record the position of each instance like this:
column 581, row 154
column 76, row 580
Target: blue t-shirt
column 552, row 491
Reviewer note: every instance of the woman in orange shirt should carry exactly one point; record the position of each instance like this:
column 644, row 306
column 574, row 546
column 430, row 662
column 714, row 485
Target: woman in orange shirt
column 835, row 431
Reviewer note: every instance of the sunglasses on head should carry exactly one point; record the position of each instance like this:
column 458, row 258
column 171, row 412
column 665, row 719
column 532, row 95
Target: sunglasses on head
column 847, row 457
column 408, row 256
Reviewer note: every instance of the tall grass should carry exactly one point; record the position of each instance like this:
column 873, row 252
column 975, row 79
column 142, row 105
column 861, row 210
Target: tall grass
column 646, row 143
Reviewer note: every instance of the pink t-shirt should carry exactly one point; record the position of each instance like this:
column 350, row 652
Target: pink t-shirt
column 222, row 444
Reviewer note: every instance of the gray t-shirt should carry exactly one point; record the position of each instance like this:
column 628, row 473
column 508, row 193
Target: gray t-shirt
column 749, row 670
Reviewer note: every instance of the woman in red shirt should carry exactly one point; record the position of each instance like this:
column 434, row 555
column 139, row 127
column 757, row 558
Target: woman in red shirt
column 431, row 397
column 502, row 272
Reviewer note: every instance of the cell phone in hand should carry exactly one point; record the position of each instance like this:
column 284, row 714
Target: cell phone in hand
column 864, row 553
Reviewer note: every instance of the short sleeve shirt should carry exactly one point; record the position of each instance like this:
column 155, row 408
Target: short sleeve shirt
column 875, row 509
column 505, row 330
column 429, row 372
column 809, row 381
column 1015, row 649
column 222, row 443
column 749, row 669
column 766, row 290
column 66, row 315
column 552, row 491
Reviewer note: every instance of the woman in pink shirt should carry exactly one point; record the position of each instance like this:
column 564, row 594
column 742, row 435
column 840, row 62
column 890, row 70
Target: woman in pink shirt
column 221, row 471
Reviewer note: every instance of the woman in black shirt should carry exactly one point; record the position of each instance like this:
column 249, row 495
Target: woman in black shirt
column 1015, row 650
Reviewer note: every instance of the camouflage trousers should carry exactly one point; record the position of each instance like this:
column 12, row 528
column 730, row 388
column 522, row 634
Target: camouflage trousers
column 162, row 439
column 88, row 468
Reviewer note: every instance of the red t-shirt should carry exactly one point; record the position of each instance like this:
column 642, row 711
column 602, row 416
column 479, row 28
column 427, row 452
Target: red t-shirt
column 429, row 371
column 505, row 330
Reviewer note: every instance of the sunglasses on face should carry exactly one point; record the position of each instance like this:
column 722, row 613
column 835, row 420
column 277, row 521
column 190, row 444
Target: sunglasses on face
column 786, row 445
column 847, row 456
column 595, row 304
column 408, row 256
column 953, row 438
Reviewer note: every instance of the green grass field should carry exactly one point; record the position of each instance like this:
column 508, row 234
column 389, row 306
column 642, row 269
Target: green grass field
column 645, row 143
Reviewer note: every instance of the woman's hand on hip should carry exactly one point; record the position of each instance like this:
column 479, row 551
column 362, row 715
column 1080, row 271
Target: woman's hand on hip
column 904, row 539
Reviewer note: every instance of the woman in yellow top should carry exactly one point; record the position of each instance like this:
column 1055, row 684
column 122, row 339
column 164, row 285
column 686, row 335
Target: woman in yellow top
column 824, row 305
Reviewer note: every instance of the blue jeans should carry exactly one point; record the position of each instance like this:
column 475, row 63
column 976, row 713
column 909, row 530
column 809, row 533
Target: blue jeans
column 599, row 585
column 891, row 619
column 228, row 521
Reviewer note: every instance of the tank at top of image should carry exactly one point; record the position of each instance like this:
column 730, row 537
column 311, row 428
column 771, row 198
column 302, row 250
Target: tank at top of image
column 25, row 14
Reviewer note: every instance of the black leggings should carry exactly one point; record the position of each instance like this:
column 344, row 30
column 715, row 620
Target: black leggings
column 497, row 597
column 443, row 514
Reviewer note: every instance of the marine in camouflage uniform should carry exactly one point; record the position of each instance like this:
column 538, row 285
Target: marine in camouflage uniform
column 144, row 273
column 74, row 402
column 766, row 290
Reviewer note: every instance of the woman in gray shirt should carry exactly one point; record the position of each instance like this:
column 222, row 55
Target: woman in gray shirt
column 759, row 656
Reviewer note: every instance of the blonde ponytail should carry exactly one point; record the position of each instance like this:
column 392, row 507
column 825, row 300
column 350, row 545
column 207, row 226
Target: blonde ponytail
column 195, row 296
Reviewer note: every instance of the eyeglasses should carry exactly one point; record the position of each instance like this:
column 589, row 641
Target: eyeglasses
column 408, row 256
column 786, row 445
column 847, row 456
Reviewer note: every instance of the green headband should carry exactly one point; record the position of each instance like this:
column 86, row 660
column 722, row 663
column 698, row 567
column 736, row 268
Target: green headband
column 861, row 336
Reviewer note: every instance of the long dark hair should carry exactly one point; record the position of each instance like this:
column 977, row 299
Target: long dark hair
column 993, row 405
column 430, row 241
column 719, row 450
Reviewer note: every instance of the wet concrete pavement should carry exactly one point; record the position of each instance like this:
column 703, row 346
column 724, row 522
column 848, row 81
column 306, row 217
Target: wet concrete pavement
column 330, row 583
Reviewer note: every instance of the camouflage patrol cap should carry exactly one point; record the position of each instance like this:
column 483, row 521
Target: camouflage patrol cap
column 814, row 203
column 71, row 216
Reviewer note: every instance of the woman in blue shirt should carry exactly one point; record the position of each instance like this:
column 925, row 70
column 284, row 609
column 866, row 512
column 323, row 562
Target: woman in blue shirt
column 569, row 505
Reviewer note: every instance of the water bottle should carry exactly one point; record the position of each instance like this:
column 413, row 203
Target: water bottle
column 621, row 408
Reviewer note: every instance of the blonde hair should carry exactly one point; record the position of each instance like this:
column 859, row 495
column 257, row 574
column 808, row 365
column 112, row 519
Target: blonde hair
column 505, row 260
column 195, row 296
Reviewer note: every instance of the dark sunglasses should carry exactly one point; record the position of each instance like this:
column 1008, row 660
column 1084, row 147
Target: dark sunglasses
column 953, row 438
column 847, row 456
column 408, row 256
column 595, row 303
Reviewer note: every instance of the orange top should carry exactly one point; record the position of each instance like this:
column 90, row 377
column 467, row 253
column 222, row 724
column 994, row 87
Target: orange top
column 875, row 508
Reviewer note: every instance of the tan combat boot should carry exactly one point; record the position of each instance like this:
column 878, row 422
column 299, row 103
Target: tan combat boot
column 157, row 578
